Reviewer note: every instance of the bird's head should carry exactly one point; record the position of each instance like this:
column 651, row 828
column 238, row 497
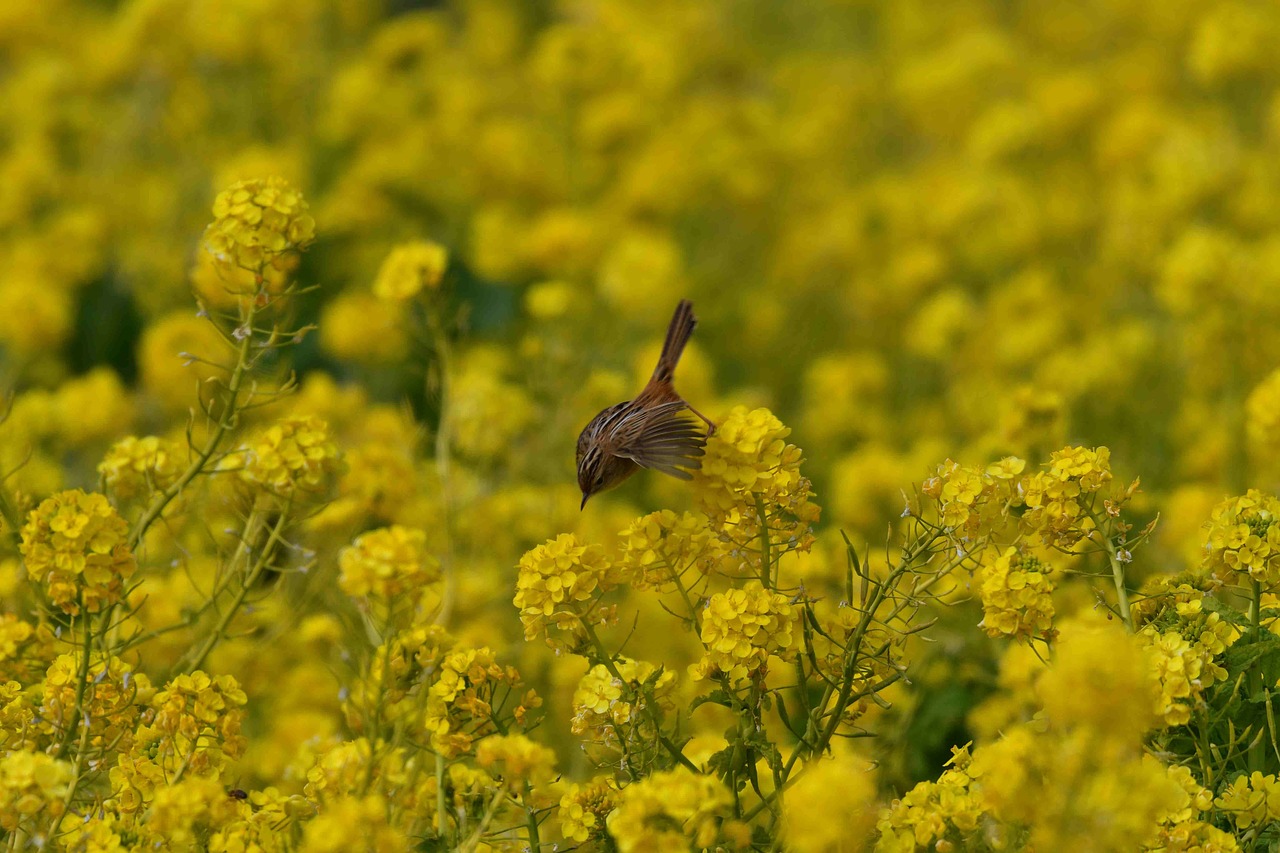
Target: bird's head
column 599, row 472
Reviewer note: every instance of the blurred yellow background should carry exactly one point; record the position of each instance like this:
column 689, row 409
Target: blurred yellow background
column 914, row 230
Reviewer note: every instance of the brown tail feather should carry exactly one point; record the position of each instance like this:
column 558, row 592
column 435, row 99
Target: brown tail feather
column 678, row 334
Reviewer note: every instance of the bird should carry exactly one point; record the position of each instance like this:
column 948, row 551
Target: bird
column 654, row 430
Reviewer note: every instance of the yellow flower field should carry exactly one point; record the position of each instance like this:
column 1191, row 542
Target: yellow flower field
column 304, row 304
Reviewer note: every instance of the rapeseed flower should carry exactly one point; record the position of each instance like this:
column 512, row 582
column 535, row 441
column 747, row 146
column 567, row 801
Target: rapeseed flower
column 256, row 223
column 74, row 545
column 742, row 629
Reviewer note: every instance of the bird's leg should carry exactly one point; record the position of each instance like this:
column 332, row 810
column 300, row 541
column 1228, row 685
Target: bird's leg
column 711, row 427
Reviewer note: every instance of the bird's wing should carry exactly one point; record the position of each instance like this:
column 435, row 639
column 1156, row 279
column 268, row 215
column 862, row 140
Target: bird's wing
column 663, row 438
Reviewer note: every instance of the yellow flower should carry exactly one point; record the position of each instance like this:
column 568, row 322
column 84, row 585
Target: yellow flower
column 1178, row 666
column 741, row 628
column 31, row 783
column 1251, row 800
column 1017, row 597
column 182, row 813
column 113, row 700
column 95, row 833
column 73, row 544
column 747, row 455
column 967, row 496
column 1185, row 642
column 603, row 704
column 195, row 722
column 293, row 457
column 669, row 812
column 138, row 466
column 557, row 588
column 1057, row 498
column 831, row 807
column 387, row 563
column 351, row 823
column 749, row 466
column 585, row 808
column 1100, row 679
column 659, row 548
column 256, row 223
column 1194, row 836
column 360, row 328
column 409, row 269
column 1244, row 540
column 933, row 811
column 459, row 700
column 515, row 760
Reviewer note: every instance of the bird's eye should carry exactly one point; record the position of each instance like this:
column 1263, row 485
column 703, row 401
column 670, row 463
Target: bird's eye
column 600, row 479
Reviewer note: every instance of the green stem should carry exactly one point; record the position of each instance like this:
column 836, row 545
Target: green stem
column 441, row 833
column 226, row 422
column 535, row 842
column 1255, row 608
column 254, row 572
column 688, row 602
column 766, row 547
column 1257, row 751
column 650, row 711
column 77, row 712
column 490, row 811
column 1117, row 576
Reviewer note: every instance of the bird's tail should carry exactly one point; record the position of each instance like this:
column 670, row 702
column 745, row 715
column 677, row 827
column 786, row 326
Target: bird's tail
column 678, row 334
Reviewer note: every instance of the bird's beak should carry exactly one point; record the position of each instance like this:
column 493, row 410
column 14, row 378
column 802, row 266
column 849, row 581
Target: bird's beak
column 584, row 501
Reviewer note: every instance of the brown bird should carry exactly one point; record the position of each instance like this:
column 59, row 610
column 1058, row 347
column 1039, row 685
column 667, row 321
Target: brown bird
column 652, row 431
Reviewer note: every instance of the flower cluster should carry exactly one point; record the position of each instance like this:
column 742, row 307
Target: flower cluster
column 460, row 700
column 830, row 807
column 669, row 812
column 395, row 677
column 138, row 466
column 748, row 454
column 1059, row 499
column 386, row 564
column 968, row 496
column 1186, row 644
column 353, row 822
column 194, row 723
column 515, row 761
column 292, row 458
column 1251, row 800
column 604, row 704
column 742, row 628
column 557, row 587
column 659, row 548
column 188, row 809
column 31, row 783
column 112, row 699
column 945, row 812
column 74, row 546
column 1244, row 540
column 750, row 480
column 409, row 269
column 585, row 808
column 1017, row 596
column 256, row 223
